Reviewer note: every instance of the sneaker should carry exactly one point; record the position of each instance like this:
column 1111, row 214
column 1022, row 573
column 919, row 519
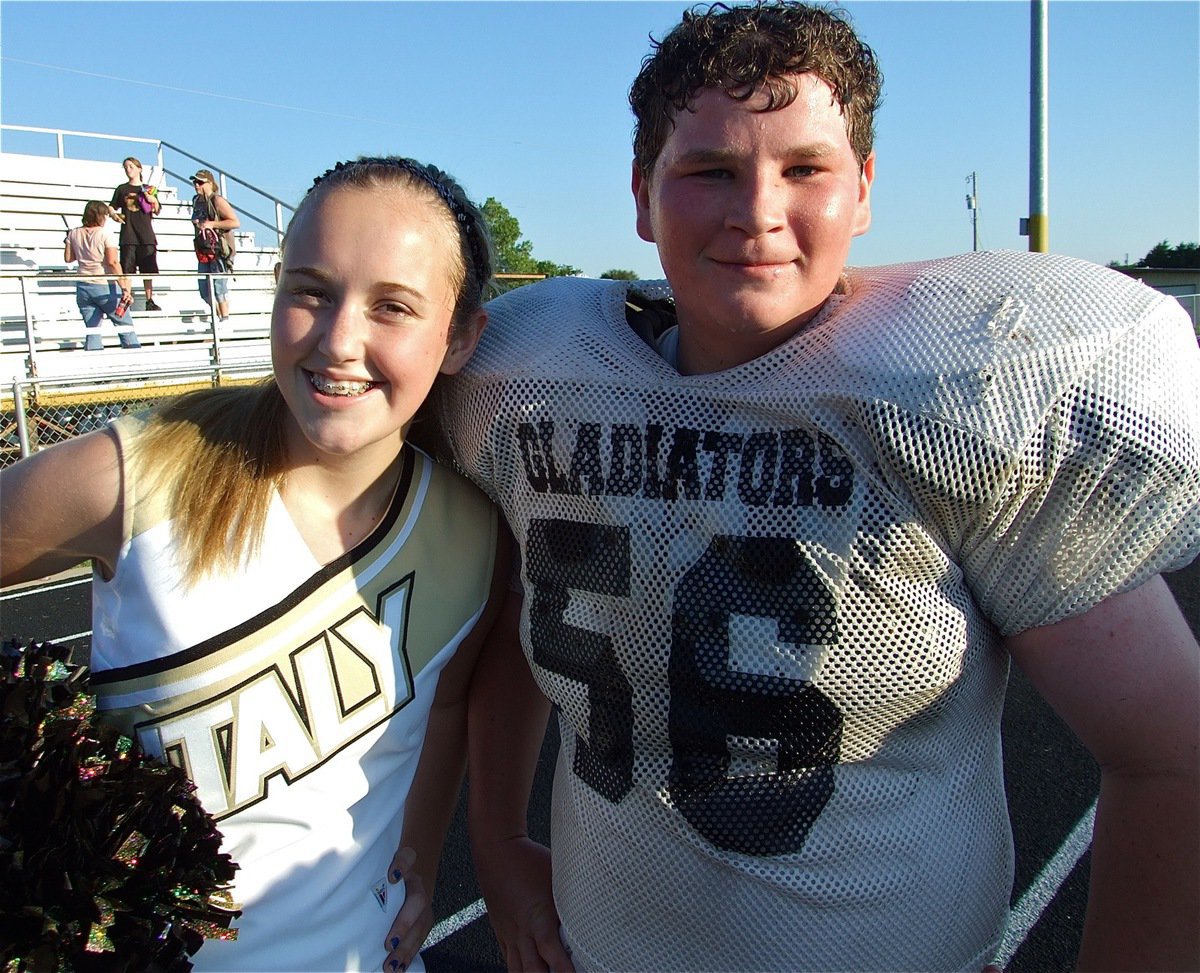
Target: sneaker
column 151, row 306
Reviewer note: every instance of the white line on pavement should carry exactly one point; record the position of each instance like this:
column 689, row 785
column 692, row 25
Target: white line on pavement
column 42, row 589
column 1033, row 902
column 452, row 924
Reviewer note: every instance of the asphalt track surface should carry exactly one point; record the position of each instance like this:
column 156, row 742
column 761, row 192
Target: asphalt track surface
column 1051, row 780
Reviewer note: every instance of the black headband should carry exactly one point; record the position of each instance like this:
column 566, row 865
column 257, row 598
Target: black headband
column 468, row 225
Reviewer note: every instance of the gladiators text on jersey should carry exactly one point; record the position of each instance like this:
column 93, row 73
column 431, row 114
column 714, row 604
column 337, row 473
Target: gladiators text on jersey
column 785, row 468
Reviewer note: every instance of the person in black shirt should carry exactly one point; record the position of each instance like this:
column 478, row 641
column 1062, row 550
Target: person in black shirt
column 134, row 206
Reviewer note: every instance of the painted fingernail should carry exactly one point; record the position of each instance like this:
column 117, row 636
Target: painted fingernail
column 395, row 942
column 395, row 965
column 396, row 874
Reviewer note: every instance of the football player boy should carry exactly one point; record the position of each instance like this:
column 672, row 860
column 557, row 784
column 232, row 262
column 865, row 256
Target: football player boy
column 784, row 523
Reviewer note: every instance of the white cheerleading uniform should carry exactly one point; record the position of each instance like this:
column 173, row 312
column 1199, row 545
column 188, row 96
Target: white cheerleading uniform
column 768, row 602
column 296, row 696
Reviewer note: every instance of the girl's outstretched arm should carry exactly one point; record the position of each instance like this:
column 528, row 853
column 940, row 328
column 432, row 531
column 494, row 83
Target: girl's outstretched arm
column 61, row 506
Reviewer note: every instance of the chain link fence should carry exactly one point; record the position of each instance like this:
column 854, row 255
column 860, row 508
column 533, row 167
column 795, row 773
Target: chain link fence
column 34, row 415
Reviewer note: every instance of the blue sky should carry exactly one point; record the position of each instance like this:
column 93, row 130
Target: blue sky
column 526, row 102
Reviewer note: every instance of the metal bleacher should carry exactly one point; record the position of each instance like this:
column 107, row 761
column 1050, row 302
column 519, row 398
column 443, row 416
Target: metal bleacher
column 41, row 332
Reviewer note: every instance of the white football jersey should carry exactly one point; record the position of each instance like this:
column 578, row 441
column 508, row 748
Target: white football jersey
column 296, row 696
column 768, row 602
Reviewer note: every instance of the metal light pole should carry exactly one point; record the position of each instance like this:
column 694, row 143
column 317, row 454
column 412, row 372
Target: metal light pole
column 1038, row 224
column 973, row 206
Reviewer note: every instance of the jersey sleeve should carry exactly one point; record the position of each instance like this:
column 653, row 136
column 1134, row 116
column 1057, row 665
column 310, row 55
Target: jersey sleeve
column 464, row 426
column 1105, row 493
column 470, row 403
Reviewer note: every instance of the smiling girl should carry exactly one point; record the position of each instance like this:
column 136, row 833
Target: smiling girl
column 288, row 598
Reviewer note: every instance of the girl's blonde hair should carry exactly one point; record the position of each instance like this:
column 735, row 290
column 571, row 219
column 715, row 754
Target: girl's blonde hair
column 218, row 454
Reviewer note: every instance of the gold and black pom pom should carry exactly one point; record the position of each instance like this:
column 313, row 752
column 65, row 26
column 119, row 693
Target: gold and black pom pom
column 107, row 859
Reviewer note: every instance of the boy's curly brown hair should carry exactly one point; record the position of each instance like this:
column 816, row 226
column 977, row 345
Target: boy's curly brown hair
column 745, row 49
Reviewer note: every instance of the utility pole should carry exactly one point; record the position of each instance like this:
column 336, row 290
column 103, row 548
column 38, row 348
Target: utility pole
column 973, row 206
column 1037, row 226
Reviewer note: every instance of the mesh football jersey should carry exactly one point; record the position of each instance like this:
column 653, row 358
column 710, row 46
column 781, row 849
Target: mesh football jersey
column 768, row 602
column 297, row 697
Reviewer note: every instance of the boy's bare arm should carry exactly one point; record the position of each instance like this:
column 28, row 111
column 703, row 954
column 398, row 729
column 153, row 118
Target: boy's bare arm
column 1125, row 676
column 507, row 720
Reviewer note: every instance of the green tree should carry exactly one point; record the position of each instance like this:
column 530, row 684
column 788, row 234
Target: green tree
column 619, row 275
column 514, row 254
column 1183, row 255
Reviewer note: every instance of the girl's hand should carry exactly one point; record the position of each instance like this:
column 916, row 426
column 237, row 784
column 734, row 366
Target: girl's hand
column 415, row 919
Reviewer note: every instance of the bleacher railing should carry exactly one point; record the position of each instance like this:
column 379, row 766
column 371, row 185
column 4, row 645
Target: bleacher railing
column 276, row 224
column 46, row 344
